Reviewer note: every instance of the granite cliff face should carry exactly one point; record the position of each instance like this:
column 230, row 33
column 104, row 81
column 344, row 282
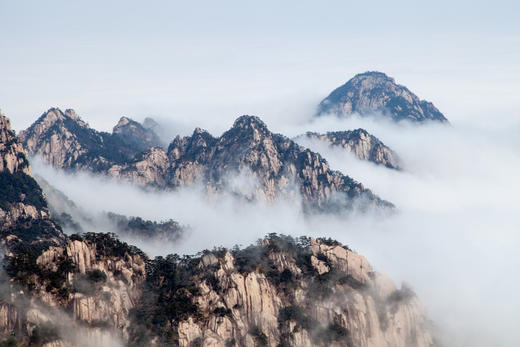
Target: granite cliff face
column 358, row 142
column 281, row 292
column 372, row 92
column 78, row 293
column 53, row 287
column 65, row 141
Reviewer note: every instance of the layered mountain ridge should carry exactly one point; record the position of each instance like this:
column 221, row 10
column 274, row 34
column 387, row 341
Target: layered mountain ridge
column 94, row 289
column 374, row 92
column 276, row 165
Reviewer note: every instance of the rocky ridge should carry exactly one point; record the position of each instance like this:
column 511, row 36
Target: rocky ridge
column 273, row 165
column 278, row 165
column 135, row 135
column 281, row 292
column 358, row 142
column 67, row 142
column 374, row 92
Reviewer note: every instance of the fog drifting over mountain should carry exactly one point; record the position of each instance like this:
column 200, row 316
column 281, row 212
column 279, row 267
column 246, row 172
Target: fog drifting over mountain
column 454, row 237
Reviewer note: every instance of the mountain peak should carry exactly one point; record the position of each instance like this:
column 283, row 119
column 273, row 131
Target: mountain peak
column 65, row 141
column 374, row 92
column 247, row 121
column 135, row 135
column 374, row 75
column 72, row 114
column 54, row 115
column 150, row 123
column 123, row 121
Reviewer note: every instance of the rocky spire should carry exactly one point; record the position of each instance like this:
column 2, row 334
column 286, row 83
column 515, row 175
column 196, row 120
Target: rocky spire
column 135, row 135
column 23, row 209
column 12, row 156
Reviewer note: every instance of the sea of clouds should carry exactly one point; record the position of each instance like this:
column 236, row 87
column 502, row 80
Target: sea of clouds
column 454, row 236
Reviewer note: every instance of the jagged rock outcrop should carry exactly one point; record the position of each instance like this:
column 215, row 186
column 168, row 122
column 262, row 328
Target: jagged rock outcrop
column 283, row 291
column 12, row 156
column 135, row 135
column 372, row 92
column 23, row 210
column 272, row 164
column 150, row 168
column 65, row 141
column 103, row 281
column 277, row 164
column 81, row 290
column 358, row 142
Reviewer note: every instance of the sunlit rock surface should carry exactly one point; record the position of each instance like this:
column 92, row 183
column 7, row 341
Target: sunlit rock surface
column 283, row 292
column 65, row 141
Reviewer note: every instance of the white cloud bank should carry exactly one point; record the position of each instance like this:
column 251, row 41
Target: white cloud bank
column 455, row 237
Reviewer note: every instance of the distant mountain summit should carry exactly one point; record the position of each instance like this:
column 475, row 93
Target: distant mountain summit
column 66, row 141
column 136, row 135
column 360, row 143
column 372, row 92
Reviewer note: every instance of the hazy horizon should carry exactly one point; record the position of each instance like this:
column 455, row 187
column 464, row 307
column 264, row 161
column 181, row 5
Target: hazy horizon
column 210, row 63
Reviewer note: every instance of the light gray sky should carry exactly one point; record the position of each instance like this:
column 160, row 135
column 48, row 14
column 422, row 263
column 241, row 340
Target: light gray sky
column 207, row 62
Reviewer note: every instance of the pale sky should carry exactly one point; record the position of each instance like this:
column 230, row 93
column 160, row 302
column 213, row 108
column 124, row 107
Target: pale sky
column 207, row 62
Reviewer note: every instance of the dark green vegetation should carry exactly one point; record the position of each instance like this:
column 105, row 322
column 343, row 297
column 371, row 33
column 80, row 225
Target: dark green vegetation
column 43, row 334
column 108, row 245
column 19, row 187
column 138, row 227
column 172, row 284
column 333, row 333
column 258, row 335
column 41, row 233
column 297, row 314
column 22, row 267
column 167, row 298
